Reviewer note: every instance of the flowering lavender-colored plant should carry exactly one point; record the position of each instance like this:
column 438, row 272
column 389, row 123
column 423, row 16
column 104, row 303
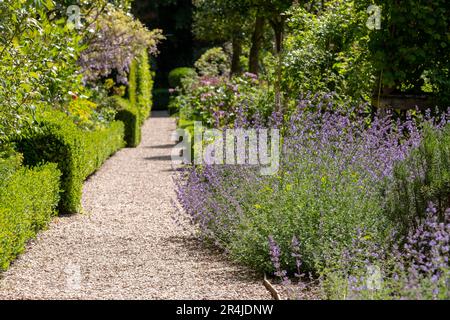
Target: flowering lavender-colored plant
column 119, row 39
column 329, row 192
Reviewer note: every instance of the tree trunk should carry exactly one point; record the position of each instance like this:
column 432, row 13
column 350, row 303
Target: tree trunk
column 278, row 29
column 256, row 45
column 236, row 58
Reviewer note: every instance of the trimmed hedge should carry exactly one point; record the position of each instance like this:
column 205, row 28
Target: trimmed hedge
column 129, row 115
column 144, row 86
column 28, row 199
column 78, row 153
column 132, row 82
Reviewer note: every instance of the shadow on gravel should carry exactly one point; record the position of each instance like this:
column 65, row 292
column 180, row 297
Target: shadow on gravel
column 193, row 247
column 163, row 146
column 159, row 158
column 160, row 114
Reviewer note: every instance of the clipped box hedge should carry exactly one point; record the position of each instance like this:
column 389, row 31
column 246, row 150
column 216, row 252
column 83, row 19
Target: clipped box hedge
column 28, row 199
column 144, row 86
column 140, row 86
column 129, row 115
column 78, row 153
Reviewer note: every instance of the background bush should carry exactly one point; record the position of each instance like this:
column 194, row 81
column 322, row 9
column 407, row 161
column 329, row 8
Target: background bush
column 178, row 74
column 28, row 199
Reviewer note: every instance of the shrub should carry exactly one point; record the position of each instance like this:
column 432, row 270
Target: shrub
column 129, row 115
column 178, row 74
column 26, row 208
column 213, row 63
column 133, row 82
column 421, row 179
column 329, row 52
column 77, row 152
column 219, row 101
column 10, row 161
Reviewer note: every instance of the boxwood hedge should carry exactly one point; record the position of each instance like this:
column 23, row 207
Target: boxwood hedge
column 77, row 153
column 28, row 199
column 144, row 86
column 129, row 115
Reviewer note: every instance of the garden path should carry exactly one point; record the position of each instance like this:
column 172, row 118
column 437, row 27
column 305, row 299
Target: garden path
column 126, row 245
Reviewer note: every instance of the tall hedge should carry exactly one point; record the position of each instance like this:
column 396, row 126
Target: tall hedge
column 28, row 199
column 129, row 115
column 78, row 153
column 144, row 86
column 132, row 82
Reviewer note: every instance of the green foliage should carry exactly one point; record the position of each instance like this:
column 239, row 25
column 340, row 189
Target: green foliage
column 413, row 44
column 38, row 56
column 213, row 63
column 218, row 101
column 10, row 161
column 77, row 152
column 144, row 86
column 323, row 207
column 178, row 74
column 218, row 20
column 422, row 178
column 329, row 52
column 129, row 115
column 133, row 82
column 26, row 208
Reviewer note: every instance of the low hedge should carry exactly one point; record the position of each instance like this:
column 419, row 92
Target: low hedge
column 129, row 115
column 78, row 153
column 28, row 199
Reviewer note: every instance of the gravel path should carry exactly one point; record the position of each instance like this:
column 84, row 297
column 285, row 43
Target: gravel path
column 126, row 245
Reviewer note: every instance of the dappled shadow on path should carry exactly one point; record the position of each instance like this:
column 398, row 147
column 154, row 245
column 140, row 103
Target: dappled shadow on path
column 214, row 260
column 159, row 158
column 163, row 146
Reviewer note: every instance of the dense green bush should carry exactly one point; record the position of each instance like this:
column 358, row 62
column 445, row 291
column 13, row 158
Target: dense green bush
column 329, row 52
column 132, row 82
column 129, row 115
column 422, row 178
column 9, row 163
column 213, row 63
column 28, row 200
column 178, row 74
column 78, row 153
column 144, row 87
column 412, row 48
